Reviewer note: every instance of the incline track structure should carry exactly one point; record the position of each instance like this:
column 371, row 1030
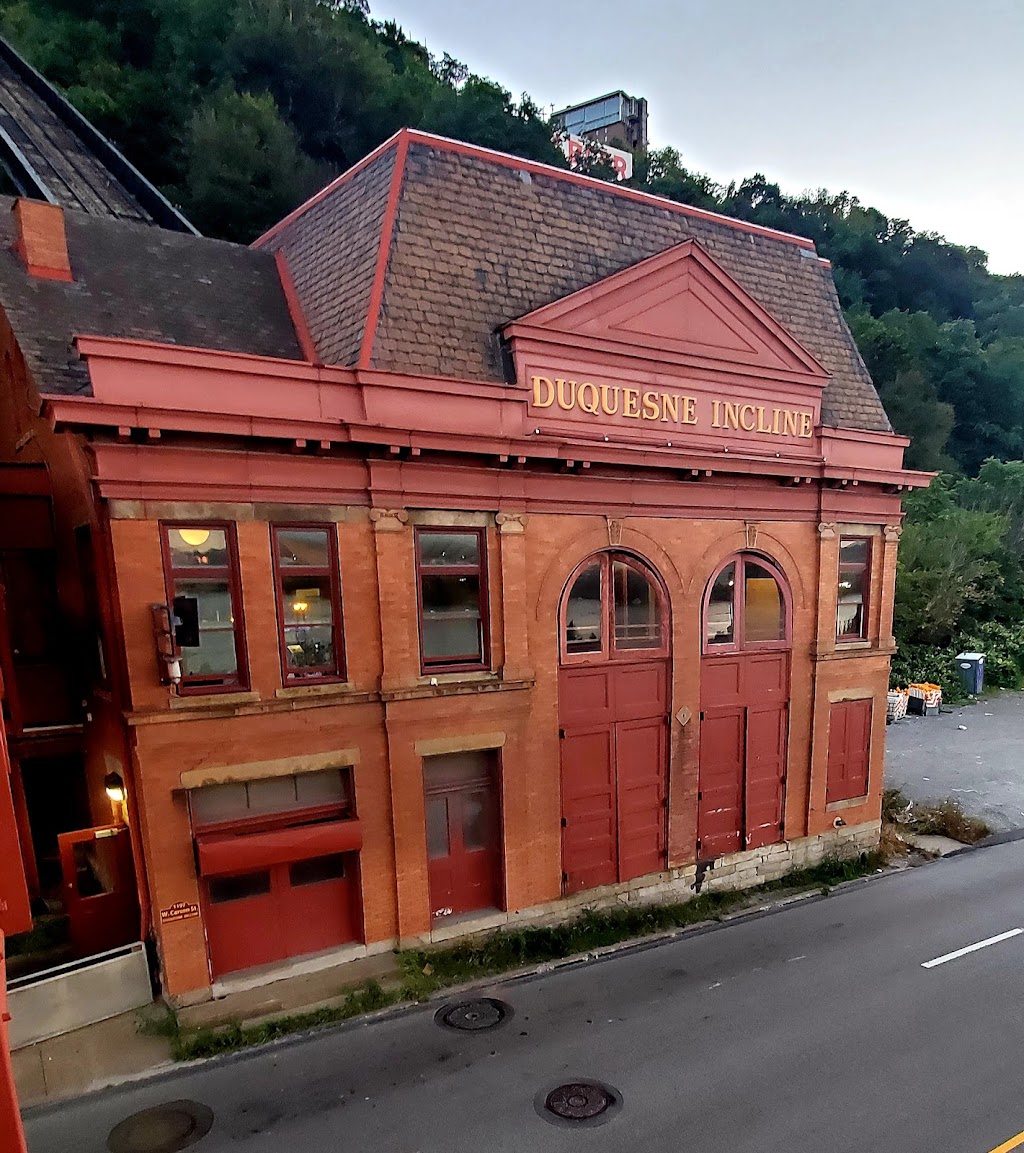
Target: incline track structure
column 52, row 153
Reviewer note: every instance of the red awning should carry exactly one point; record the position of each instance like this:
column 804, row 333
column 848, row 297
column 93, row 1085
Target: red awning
column 221, row 853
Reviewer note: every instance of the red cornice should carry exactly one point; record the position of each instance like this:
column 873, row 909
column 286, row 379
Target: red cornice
column 383, row 254
column 231, row 395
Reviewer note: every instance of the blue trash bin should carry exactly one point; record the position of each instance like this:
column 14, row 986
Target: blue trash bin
column 971, row 667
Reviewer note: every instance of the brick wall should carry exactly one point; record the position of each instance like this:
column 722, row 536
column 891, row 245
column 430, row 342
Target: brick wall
column 387, row 708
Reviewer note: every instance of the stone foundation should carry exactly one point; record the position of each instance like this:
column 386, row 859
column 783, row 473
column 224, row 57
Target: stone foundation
column 744, row 870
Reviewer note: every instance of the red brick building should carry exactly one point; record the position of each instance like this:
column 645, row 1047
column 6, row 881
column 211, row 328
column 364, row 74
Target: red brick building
column 529, row 542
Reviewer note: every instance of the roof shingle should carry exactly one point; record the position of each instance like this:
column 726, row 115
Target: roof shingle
column 140, row 282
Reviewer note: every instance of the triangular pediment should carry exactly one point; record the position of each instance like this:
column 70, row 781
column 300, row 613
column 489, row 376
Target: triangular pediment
column 682, row 304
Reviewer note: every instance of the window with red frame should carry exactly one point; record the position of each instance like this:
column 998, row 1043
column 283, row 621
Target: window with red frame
column 201, row 565
column 613, row 608
column 308, row 602
column 854, row 587
column 452, row 574
column 745, row 607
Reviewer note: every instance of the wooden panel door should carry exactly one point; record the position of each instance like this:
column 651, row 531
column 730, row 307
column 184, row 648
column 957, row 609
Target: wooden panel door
column 767, row 730
column 99, row 888
column 589, row 810
column 614, row 772
column 463, row 835
column 744, row 738
column 849, row 748
column 640, row 759
column 720, row 793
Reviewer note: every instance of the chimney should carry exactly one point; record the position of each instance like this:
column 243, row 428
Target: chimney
column 42, row 242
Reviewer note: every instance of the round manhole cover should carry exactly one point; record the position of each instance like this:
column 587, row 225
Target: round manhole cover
column 474, row 1016
column 578, row 1102
column 162, row 1129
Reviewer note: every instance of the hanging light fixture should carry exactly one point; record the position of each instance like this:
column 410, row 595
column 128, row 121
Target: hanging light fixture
column 196, row 537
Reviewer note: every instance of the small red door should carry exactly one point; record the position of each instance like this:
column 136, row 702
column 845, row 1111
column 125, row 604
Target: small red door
column 285, row 910
column 99, row 888
column 463, row 833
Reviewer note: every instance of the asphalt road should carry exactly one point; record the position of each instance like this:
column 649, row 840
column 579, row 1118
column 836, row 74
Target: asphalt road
column 814, row 1029
column 981, row 765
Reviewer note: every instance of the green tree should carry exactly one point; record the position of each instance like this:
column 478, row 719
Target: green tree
column 246, row 170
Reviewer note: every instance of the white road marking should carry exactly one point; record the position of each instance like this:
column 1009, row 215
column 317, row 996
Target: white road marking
column 971, row 949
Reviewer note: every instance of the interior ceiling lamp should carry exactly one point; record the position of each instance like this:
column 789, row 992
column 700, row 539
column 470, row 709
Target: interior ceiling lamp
column 196, row 537
column 114, row 784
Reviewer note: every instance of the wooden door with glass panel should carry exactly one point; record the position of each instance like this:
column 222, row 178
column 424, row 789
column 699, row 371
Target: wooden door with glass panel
column 463, row 833
column 613, row 707
column 745, row 689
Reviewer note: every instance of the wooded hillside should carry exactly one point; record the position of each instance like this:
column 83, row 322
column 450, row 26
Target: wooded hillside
column 239, row 109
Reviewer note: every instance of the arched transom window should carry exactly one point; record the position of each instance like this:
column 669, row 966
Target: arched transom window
column 746, row 606
column 613, row 607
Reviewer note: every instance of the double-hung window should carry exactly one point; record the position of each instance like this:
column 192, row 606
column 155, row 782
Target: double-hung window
column 308, row 602
column 854, row 588
column 201, row 575
column 452, row 573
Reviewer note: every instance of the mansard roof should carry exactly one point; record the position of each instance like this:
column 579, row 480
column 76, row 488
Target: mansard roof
column 419, row 257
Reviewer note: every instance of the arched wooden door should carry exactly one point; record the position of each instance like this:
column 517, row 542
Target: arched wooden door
column 613, row 710
column 745, row 691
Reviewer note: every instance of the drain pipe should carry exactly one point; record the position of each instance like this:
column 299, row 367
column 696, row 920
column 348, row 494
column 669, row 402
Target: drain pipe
column 10, row 1116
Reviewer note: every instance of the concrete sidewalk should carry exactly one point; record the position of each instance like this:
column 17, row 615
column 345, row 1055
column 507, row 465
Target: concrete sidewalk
column 120, row 1049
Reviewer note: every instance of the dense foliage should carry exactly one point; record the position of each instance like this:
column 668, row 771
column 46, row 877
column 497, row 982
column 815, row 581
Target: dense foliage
column 238, row 109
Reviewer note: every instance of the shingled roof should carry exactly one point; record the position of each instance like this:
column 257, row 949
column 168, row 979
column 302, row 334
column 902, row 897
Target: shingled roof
column 414, row 260
column 145, row 283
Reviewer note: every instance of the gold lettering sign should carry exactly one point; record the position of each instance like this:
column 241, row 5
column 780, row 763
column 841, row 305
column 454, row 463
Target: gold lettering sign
column 653, row 405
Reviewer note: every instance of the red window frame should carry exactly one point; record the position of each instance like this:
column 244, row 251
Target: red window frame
column 321, row 674
column 196, row 683
column 609, row 650
column 866, row 568
column 739, row 643
column 470, row 662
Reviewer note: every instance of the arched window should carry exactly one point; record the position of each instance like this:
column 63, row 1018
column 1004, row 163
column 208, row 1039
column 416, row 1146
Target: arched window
column 613, row 607
column 746, row 606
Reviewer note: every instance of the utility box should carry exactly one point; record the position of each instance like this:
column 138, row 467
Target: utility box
column 971, row 667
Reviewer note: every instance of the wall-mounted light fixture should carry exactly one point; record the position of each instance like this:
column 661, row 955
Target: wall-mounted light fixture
column 114, row 784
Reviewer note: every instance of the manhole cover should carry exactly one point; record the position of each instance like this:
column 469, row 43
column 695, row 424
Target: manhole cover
column 474, row 1016
column 162, row 1129
column 579, row 1102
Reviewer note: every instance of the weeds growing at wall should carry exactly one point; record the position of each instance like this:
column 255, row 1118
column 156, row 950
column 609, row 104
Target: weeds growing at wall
column 422, row 972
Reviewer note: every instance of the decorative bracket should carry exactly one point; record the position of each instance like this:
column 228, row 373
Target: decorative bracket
column 389, row 519
column 511, row 523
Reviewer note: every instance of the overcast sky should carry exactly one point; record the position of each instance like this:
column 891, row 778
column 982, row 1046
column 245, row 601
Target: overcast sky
column 915, row 106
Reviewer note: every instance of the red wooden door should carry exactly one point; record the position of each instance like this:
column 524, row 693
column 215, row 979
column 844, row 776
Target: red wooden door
column 282, row 911
column 743, row 741
column 849, row 745
column 463, row 834
column 614, row 730
column 99, row 888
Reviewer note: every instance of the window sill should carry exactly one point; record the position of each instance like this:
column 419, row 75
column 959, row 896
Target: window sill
column 332, row 689
column 452, row 686
column 860, row 649
column 213, row 700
